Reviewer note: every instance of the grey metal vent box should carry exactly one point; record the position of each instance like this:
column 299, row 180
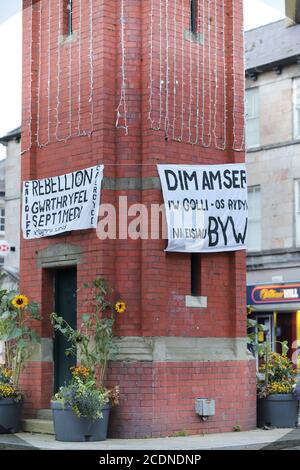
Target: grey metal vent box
column 205, row 407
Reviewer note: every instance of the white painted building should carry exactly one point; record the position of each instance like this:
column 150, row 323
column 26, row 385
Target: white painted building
column 10, row 211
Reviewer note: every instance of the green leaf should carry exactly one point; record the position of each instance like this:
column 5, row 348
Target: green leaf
column 34, row 310
column 3, row 292
column 285, row 348
column 22, row 343
column 16, row 333
column 10, row 295
column 5, row 315
column 34, row 337
column 85, row 317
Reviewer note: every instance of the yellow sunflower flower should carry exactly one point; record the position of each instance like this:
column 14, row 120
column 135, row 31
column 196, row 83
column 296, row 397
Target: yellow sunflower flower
column 120, row 307
column 19, row 301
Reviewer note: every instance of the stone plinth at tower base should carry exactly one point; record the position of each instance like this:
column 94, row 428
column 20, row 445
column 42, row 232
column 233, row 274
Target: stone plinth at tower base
column 160, row 378
column 157, row 397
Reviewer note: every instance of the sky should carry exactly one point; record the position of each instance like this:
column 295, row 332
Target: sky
column 256, row 13
column 11, row 66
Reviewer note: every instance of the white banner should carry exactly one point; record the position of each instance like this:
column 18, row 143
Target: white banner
column 206, row 207
column 61, row 203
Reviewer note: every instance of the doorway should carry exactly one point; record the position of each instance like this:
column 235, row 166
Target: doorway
column 266, row 336
column 284, row 331
column 65, row 283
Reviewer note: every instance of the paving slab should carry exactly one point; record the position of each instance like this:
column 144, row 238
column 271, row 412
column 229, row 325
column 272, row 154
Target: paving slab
column 252, row 440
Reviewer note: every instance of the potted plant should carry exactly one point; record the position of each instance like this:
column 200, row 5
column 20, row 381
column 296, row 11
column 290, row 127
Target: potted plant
column 81, row 408
column 19, row 340
column 277, row 405
column 10, row 403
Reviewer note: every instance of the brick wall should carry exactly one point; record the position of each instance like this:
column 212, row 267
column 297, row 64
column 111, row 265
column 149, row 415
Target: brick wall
column 153, row 283
column 159, row 400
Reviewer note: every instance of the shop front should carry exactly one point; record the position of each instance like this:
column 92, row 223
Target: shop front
column 277, row 307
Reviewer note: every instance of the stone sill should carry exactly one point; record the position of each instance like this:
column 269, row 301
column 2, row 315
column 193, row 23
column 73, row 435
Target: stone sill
column 195, row 302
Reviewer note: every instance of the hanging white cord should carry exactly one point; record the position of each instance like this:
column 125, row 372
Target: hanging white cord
column 38, row 140
column 190, row 88
column 182, row 72
column 29, row 83
column 166, row 126
column 174, row 69
column 200, row 48
column 237, row 147
column 122, row 102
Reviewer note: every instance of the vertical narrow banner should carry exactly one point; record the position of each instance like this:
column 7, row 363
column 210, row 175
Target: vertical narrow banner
column 206, row 207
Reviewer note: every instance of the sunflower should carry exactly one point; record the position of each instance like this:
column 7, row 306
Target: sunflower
column 120, row 307
column 19, row 301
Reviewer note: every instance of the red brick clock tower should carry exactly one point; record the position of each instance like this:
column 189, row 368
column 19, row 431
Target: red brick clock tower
column 131, row 84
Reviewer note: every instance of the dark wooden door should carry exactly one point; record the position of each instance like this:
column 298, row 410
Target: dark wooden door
column 65, row 306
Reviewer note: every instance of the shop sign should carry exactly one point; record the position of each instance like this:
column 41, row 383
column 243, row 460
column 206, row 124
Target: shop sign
column 4, row 248
column 273, row 294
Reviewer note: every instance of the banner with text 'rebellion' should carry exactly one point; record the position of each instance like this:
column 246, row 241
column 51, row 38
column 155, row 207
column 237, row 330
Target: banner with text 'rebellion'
column 61, row 203
column 206, row 207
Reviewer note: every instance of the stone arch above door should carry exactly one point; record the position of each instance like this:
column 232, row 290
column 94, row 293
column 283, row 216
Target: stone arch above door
column 59, row 255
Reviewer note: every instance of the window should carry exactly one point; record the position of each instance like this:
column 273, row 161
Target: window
column 193, row 16
column 297, row 108
column 195, row 274
column 67, row 17
column 252, row 118
column 297, row 212
column 2, row 220
column 254, row 223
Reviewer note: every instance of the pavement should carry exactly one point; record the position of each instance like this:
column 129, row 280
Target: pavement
column 274, row 439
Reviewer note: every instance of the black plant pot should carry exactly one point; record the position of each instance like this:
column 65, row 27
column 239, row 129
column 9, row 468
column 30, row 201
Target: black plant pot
column 69, row 428
column 279, row 411
column 10, row 415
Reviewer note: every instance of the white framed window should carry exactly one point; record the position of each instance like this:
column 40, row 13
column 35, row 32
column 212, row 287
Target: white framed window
column 252, row 118
column 2, row 220
column 296, row 106
column 254, row 219
column 297, row 211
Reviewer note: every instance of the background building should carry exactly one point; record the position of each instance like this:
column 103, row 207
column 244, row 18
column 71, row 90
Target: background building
column 2, row 206
column 10, row 208
column 273, row 164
